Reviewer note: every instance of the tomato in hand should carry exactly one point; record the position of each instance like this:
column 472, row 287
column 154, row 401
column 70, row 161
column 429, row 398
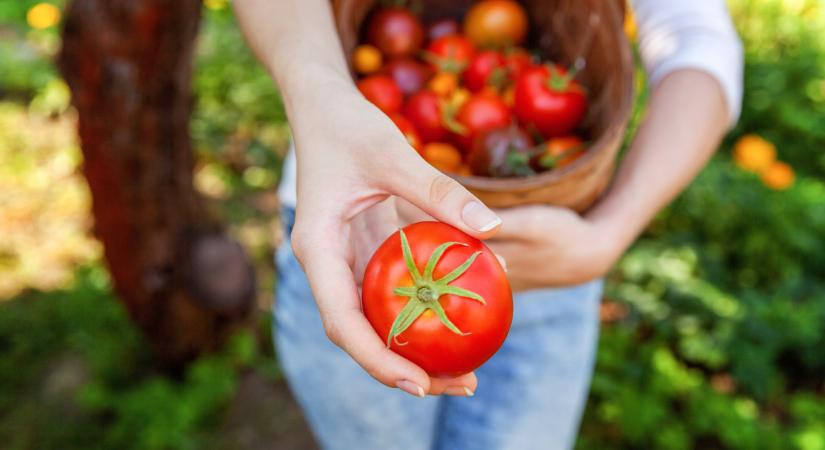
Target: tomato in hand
column 496, row 23
column 450, row 53
column 438, row 297
column 486, row 68
column 559, row 152
column 441, row 28
column 502, row 152
column 481, row 112
column 424, row 111
column 548, row 99
column 395, row 31
column 409, row 74
column 408, row 130
column 382, row 91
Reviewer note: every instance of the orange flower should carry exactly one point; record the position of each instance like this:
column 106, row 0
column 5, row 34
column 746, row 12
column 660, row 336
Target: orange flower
column 43, row 15
column 753, row 153
column 443, row 83
column 443, row 157
column 366, row 59
column 778, row 175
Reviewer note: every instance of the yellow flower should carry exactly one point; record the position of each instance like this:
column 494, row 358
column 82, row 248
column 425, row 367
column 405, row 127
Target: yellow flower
column 215, row 4
column 778, row 175
column 630, row 23
column 753, row 153
column 43, row 15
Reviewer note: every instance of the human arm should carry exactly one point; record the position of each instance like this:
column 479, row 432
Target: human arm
column 694, row 60
column 350, row 159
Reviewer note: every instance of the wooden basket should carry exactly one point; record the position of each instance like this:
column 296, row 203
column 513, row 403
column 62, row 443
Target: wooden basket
column 564, row 31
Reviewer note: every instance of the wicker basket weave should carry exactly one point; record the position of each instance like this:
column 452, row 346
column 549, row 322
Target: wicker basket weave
column 582, row 33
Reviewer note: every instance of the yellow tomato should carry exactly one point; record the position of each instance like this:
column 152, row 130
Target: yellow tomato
column 43, row 15
column 442, row 156
column 366, row 59
column 778, row 175
column 753, row 153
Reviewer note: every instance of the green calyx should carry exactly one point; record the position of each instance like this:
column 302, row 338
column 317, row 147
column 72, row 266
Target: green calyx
column 425, row 293
column 558, row 82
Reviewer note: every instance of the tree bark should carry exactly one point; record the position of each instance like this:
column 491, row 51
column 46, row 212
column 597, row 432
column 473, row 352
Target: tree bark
column 128, row 64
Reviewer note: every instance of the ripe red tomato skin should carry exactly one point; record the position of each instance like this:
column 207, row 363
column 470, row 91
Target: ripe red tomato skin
column 454, row 48
column 553, row 113
column 442, row 27
column 481, row 67
column 424, row 111
column 382, row 91
column 518, row 61
column 395, row 31
column 429, row 343
column 481, row 112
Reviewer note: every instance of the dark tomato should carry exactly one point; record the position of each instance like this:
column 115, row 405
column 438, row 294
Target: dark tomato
column 548, row 99
column 408, row 73
column 481, row 112
column 382, row 91
column 456, row 319
column 408, row 130
column 395, row 31
column 486, row 68
column 424, row 111
column 450, row 53
column 441, row 28
column 502, row 152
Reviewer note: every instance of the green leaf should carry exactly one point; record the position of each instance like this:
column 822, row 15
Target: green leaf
column 408, row 259
column 439, row 311
column 439, row 251
column 458, row 271
column 455, row 290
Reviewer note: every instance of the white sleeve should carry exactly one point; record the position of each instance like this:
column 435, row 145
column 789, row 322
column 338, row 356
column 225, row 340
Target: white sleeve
column 695, row 34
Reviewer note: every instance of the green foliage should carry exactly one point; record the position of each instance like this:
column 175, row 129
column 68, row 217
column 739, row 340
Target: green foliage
column 725, row 294
column 76, row 374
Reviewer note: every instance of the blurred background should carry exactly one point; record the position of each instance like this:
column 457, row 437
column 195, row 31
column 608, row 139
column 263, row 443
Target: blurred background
column 713, row 323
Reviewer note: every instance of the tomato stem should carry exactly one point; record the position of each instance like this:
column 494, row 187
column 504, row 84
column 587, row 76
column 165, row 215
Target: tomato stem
column 425, row 293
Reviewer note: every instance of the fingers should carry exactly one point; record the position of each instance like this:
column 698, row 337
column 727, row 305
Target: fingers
column 443, row 198
column 333, row 285
column 531, row 221
column 464, row 385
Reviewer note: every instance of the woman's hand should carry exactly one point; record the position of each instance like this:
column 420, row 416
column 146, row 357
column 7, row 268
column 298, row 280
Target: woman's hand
column 548, row 246
column 351, row 159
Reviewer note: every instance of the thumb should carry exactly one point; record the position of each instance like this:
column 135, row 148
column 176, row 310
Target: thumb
column 443, row 198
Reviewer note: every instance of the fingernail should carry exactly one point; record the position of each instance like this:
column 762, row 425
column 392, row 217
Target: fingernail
column 479, row 217
column 502, row 261
column 410, row 388
column 461, row 391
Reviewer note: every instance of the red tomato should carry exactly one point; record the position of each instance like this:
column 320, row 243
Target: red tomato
column 395, row 31
column 481, row 112
column 485, row 68
column 442, row 27
column 409, row 74
column 424, row 111
column 496, row 23
column 408, row 130
column 518, row 60
column 450, row 53
column 382, row 91
column 458, row 312
column 549, row 99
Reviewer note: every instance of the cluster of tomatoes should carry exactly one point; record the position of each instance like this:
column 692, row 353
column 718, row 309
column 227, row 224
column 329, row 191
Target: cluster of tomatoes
column 467, row 96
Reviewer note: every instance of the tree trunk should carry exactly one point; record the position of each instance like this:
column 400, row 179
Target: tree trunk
column 128, row 64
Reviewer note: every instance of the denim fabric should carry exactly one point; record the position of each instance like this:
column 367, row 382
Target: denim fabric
column 530, row 394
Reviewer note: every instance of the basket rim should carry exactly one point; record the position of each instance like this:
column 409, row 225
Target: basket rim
column 601, row 145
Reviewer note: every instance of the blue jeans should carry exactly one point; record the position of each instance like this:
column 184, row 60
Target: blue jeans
column 530, row 394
